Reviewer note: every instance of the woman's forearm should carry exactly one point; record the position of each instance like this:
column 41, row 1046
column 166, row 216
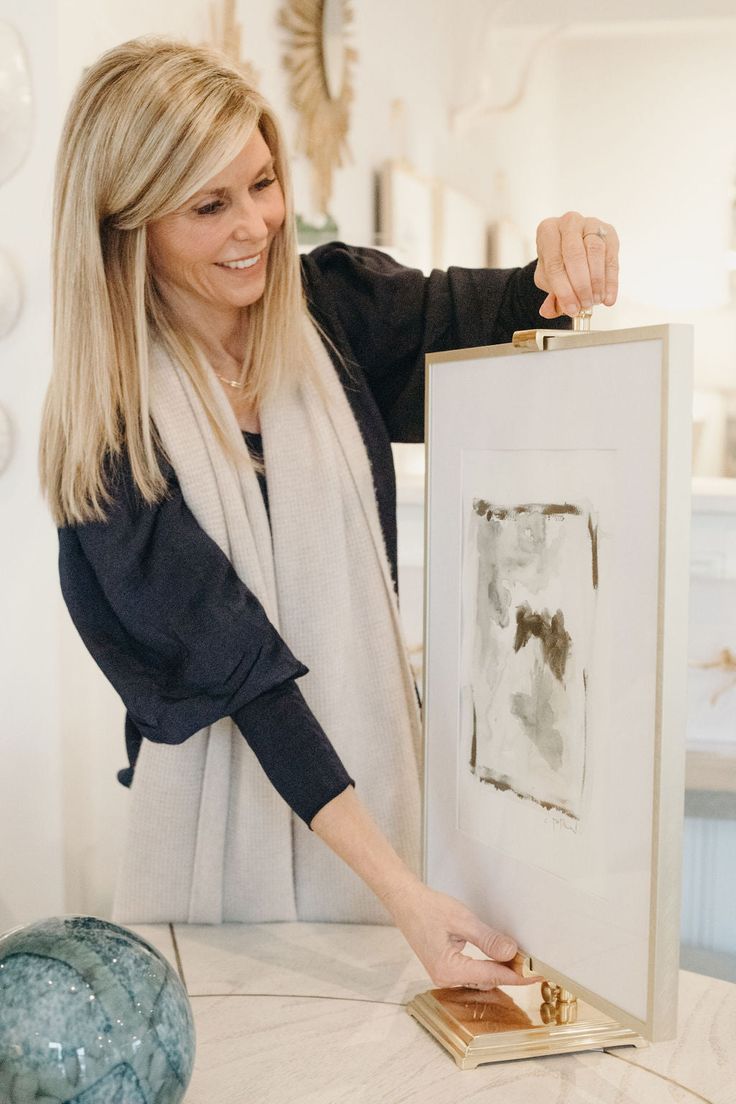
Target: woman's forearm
column 349, row 830
column 435, row 926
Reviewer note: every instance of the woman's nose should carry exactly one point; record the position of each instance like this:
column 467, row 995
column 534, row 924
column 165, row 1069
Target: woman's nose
column 249, row 223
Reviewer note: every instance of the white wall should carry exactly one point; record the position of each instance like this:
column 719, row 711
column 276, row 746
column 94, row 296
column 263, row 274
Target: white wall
column 30, row 752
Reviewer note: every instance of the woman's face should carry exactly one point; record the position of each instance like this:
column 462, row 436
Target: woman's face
column 213, row 251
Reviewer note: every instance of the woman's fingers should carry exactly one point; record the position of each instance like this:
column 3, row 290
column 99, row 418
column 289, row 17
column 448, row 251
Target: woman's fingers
column 477, row 974
column 575, row 258
column 498, row 946
column 612, row 251
column 550, row 308
column 578, row 264
column 488, row 940
column 595, row 235
column 602, row 248
column 437, row 927
column 554, row 267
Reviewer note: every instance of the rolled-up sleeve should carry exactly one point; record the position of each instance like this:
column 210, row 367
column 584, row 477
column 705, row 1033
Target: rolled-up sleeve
column 184, row 642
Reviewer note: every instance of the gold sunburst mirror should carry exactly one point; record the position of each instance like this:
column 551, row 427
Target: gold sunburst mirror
column 319, row 60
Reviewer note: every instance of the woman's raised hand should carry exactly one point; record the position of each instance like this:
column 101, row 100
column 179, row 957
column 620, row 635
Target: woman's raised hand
column 577, row 265
column 437, row 927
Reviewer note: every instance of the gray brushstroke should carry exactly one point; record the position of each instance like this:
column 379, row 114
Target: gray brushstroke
column 474, row 741
column 593, row 531
column 549, row 509
column 538, row 716
column 585, row 727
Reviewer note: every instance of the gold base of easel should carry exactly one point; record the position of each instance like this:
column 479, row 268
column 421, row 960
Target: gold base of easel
column 529, row 1021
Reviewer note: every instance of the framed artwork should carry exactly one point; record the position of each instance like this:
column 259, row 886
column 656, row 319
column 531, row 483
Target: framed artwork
column 508, row 247
column 461, row 229
column 406, row 216
column 729, row 433
column 557, row 557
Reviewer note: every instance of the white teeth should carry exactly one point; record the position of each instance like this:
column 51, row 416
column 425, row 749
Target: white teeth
column 240, row 264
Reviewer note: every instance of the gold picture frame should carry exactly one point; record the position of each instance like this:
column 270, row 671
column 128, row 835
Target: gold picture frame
column 508, row 401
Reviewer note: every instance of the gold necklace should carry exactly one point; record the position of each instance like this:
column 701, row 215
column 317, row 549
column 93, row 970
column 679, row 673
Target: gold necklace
column 232, row 383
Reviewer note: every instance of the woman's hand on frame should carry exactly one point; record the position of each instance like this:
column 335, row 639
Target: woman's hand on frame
column 577, row 264
column 437, row 927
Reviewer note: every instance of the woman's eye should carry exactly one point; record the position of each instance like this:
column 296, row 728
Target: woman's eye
column 210, row 208
column 217, row 204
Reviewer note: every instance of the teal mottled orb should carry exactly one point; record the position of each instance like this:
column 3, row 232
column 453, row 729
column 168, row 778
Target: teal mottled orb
column 90, row 1014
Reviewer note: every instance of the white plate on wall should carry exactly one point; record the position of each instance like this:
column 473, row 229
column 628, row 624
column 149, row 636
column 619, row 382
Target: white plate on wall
column 16, row 101
column 6, row 439
column 11, row 297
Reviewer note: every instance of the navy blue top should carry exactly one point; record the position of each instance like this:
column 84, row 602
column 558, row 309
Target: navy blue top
column 159, row 605
column 254, row 442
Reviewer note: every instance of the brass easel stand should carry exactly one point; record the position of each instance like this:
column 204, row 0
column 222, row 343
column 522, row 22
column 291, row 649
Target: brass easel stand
column 531, row 1021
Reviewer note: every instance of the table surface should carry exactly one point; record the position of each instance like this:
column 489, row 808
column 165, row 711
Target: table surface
column 315, row 1013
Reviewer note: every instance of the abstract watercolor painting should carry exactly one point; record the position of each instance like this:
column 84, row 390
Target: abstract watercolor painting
column 555, row 697
column 533, row 582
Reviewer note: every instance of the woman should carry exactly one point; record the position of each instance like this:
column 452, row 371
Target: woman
column 216, row 453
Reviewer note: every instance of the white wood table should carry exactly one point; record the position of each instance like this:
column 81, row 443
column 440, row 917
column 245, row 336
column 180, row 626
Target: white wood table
column 315, row 1014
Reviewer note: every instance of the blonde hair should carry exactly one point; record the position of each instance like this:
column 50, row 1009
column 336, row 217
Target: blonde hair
column 149, row 124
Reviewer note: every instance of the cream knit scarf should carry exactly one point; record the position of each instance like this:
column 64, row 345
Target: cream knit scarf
column 209, row 838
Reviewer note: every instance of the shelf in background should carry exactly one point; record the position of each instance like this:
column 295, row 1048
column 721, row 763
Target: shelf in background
column 711, row 769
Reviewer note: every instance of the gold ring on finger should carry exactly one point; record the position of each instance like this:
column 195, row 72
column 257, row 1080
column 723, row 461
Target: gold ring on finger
column 600, row 232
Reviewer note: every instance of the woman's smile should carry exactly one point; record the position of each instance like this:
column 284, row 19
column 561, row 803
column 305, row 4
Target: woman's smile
column 244, row 264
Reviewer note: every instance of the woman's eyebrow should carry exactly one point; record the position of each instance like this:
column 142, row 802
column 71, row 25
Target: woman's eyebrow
column 269, row 166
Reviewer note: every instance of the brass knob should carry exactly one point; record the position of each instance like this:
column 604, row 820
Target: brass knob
column 581, row 321
column 549, row 992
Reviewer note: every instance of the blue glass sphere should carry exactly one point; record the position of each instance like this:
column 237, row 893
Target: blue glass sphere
column 90, row 1013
